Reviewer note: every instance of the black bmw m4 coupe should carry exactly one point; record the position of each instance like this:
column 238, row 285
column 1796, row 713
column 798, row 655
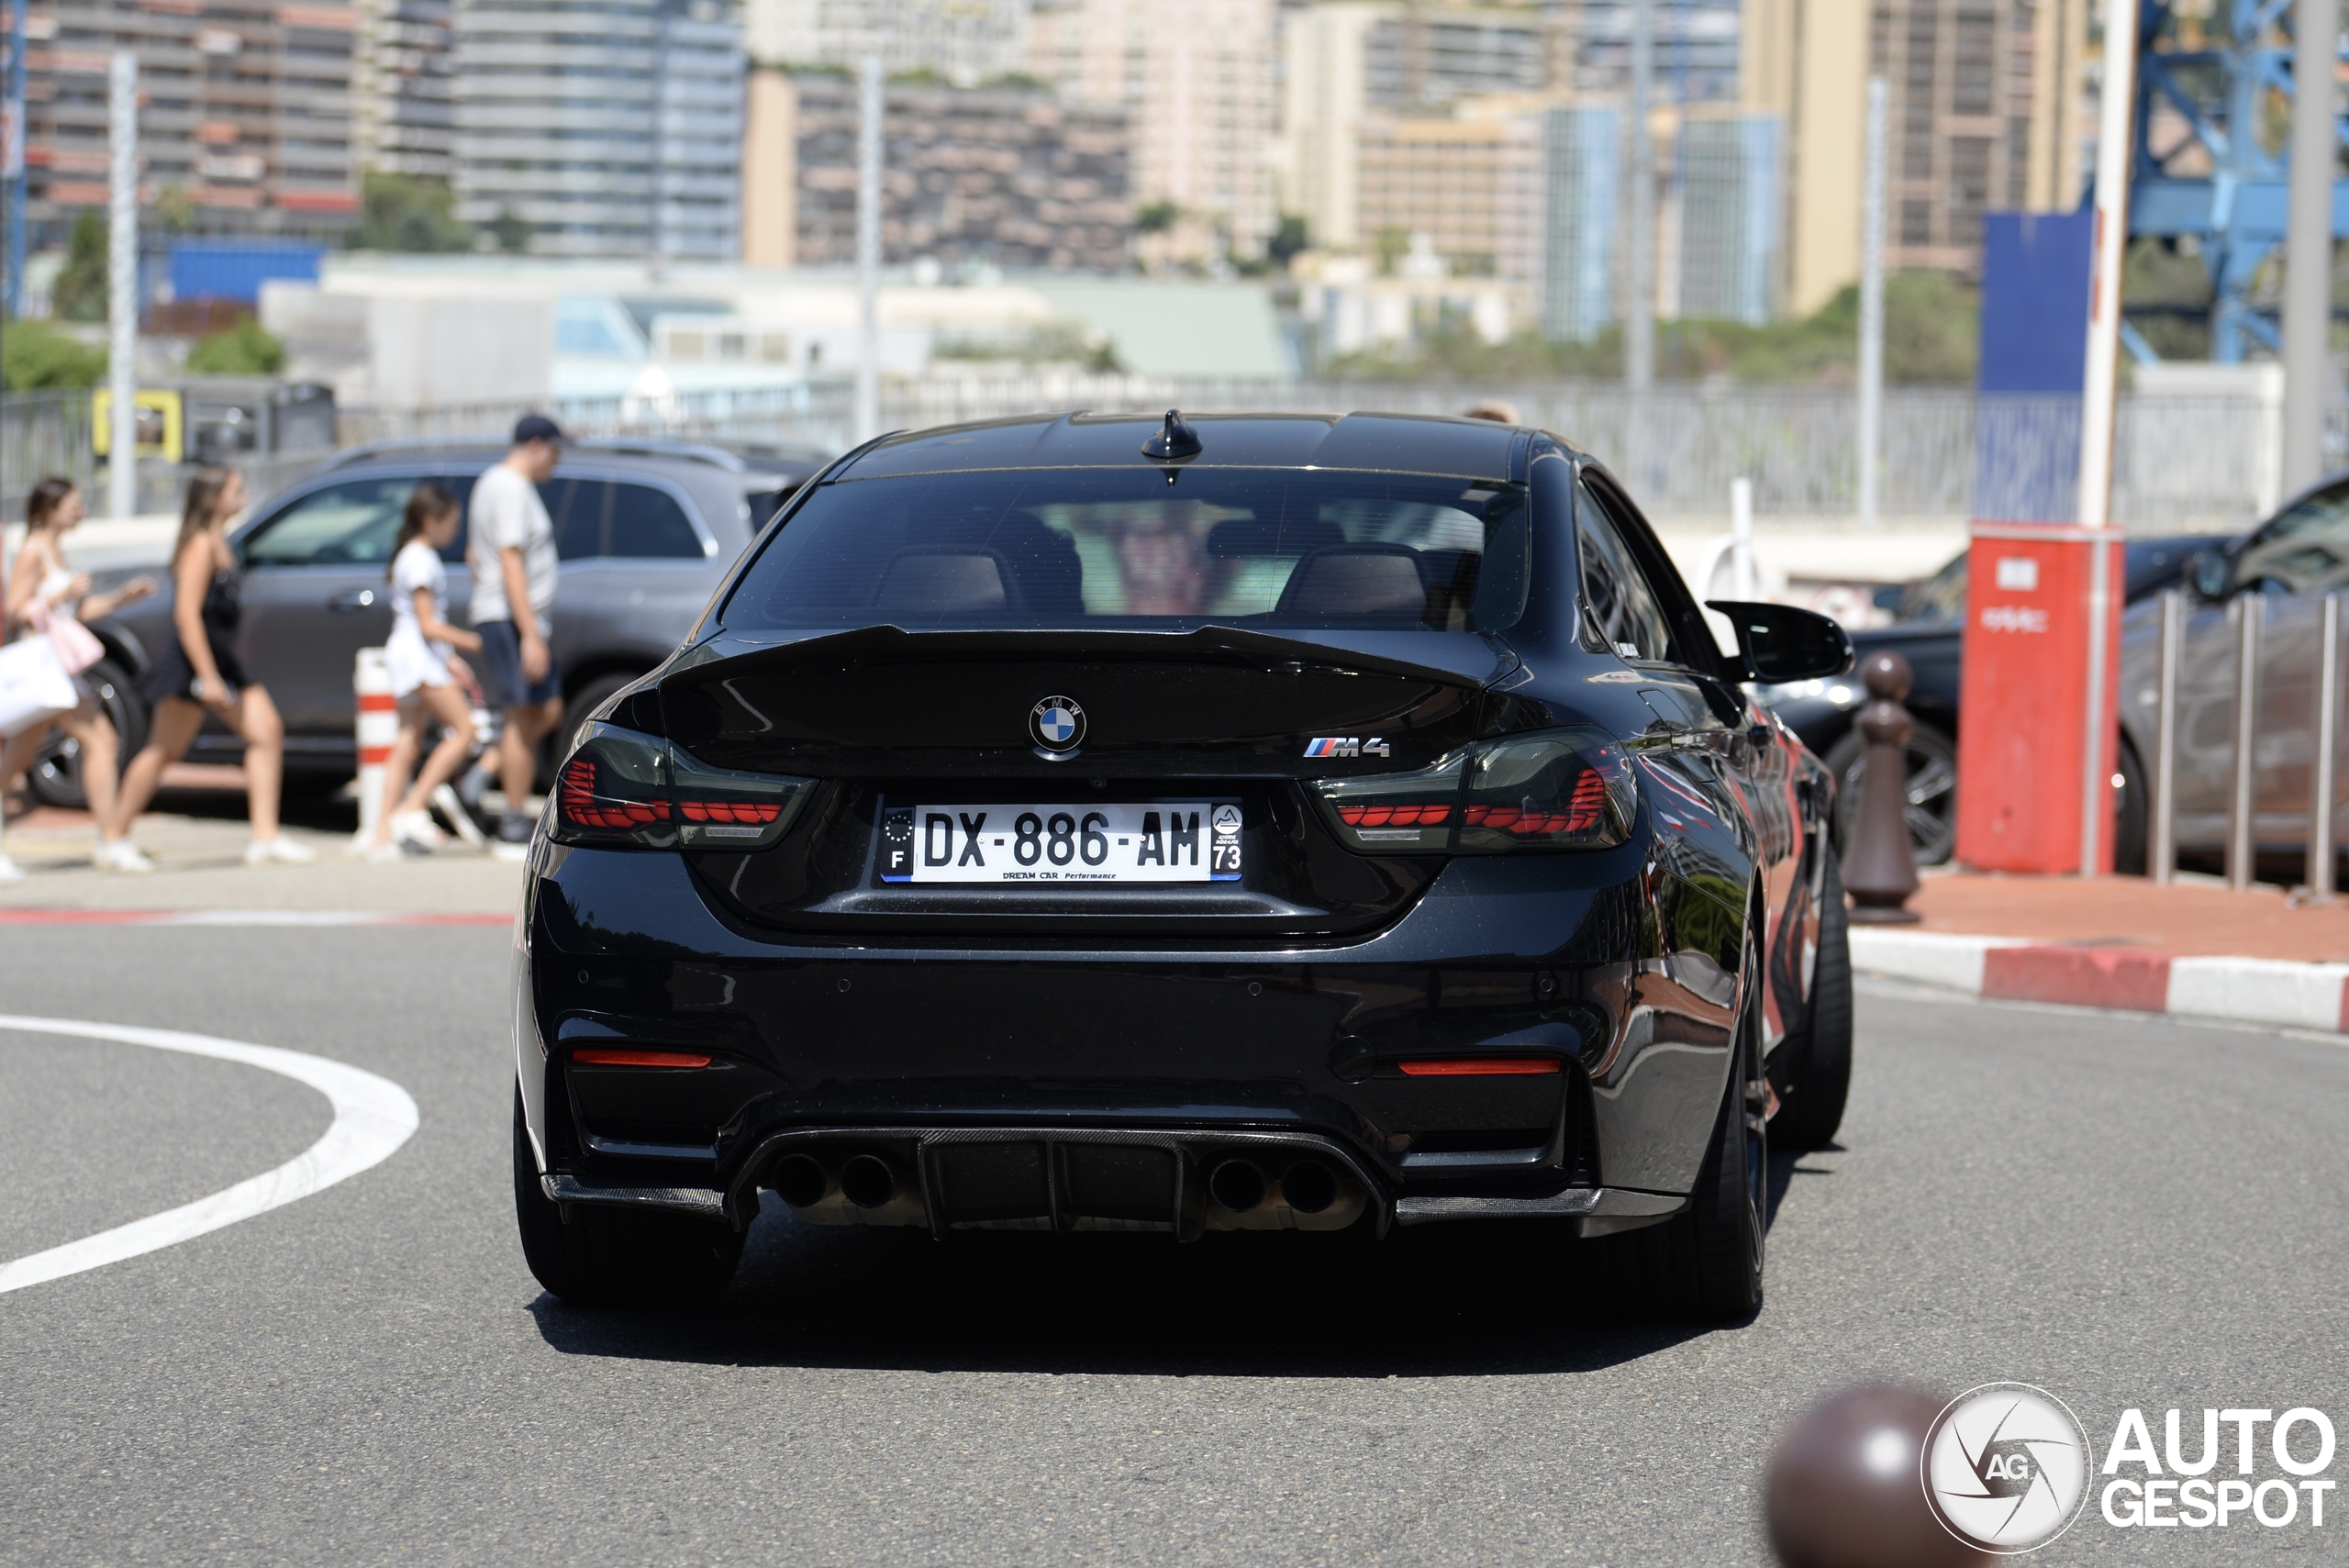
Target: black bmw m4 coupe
column 1243, row 823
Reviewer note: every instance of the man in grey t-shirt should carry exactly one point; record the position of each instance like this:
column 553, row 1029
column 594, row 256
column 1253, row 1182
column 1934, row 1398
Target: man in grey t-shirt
column 510, row 546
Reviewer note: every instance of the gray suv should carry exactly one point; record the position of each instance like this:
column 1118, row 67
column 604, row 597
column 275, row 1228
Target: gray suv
column 646, row 529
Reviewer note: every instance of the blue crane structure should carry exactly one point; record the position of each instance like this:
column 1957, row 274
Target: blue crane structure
column 2221, row 174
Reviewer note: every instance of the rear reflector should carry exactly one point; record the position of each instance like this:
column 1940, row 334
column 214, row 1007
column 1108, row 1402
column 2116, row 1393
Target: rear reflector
column 600, row 1057
column 1480, row 1067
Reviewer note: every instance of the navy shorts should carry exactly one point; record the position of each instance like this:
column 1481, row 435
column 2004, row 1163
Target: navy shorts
column 501, row 672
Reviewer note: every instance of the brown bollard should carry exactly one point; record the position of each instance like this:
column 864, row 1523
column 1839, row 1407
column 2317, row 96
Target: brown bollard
column 1880, row 860
column 1846, row 1488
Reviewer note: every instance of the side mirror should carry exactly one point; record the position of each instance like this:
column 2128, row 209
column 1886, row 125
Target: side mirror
column 2207, row 570
column 1782, row 643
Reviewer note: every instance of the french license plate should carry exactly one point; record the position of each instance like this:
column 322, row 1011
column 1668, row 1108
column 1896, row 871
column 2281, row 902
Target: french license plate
column 1158, row 840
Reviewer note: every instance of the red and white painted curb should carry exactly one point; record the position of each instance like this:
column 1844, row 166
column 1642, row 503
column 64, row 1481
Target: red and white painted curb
column 2013, row 969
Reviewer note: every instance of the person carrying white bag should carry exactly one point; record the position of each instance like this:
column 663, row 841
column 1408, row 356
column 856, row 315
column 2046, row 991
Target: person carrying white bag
column 43, row 605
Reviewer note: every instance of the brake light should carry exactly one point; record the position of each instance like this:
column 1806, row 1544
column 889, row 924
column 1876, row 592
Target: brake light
column 599, row 1056
column 1480, row 1067
column 1563, row 789
column 622, row 787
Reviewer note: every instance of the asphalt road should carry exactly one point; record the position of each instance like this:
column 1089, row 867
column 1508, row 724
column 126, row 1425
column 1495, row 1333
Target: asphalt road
column 2128, row 1213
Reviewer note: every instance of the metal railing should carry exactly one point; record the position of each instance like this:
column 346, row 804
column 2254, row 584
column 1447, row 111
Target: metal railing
column 2181, row 464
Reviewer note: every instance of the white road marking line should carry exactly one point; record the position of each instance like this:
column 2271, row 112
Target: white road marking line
column 373, row 1116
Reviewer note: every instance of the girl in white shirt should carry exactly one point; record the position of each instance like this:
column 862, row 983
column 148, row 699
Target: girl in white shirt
column 424, row 681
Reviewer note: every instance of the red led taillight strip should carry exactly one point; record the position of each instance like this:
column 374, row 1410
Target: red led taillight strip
column 1481, row 1067
column 729, row 810
column 1583, row 812
column 577, row 795
column 1394, row 816
column 598, row 1056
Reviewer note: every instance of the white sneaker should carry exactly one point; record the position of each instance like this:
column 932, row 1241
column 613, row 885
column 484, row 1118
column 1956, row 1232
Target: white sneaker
column 120, row 855
column 10, row 870
column 417, row 827
column 281, row 850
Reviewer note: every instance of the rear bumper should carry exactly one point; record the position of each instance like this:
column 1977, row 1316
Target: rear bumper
column 917, row 1056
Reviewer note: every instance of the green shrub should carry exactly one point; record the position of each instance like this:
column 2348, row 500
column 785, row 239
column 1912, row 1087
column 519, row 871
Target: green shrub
column 33, row 355
column 246, row 348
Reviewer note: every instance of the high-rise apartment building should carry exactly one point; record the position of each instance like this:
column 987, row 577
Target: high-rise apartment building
column 1470, row 183
column 1984, row 114
column 1697, row 48
column 1582, row 165
column 609, row 128
column 964, row 41
column 403, row 118
column 1324, row 95
column 245, row 113
column 1431, row 56
column 1728, row 216
column 1195, row 81
column 1006, row 177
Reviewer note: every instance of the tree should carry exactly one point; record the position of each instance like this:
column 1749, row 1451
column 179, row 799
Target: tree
column 35, row 355
column 402, row 212
column 512, row 234
column 1156, row 217
column 246, row 348
column 1289, row 238
column 79, row 292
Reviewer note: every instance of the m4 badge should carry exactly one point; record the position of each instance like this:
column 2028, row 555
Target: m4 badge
column 1345, row 746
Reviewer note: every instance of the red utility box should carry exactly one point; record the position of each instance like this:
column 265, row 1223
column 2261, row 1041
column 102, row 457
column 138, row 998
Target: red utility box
column 2024, row 774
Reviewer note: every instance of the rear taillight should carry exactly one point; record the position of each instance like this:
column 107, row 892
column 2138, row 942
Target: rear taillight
column 1560, row 789
column 623, row 787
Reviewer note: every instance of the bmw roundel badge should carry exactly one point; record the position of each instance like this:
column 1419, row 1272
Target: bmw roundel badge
column 1056, row 724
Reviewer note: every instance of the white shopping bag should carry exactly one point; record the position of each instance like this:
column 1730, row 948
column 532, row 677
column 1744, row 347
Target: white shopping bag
column 34, row 685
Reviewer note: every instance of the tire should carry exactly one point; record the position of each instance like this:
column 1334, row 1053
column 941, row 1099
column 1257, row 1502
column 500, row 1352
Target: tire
column 1705, row 1264
column 2129, row 808
column 55, row 776
column 1933, row 790
column 1820, row 1058
column 601, row 1256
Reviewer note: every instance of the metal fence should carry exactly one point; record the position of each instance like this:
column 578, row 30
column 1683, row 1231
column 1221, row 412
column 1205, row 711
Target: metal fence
column 2180, row 463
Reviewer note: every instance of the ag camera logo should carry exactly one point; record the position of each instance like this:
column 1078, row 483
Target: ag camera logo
column 2005, row 1467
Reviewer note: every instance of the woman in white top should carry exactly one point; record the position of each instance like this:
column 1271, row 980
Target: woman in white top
column 424, row 682
column 42, row 578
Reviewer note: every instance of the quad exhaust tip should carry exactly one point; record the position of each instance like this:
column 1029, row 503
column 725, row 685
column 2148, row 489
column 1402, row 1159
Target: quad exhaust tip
column 1237, row 1185
column 868, row 1181
column 801, row 1180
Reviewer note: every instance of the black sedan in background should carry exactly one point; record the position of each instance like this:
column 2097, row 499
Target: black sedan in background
column 1268, row 823
column 1928, row 630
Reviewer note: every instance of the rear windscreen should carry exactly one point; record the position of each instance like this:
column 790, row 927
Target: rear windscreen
column 1144, row 547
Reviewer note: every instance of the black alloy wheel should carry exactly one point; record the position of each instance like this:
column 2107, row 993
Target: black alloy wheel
column 1818, row 1077
column 55, row 776
column 602, row 1255
column 1933, row 790
column 1705, row 1264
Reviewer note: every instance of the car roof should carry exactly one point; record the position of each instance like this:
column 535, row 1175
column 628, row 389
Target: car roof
column 754, row 464
column 1390, row 443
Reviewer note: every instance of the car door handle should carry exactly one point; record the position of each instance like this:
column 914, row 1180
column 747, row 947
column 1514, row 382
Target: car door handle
column 352, row 599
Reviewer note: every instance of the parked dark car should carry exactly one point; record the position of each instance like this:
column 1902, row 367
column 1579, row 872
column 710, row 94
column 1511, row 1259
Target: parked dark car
column 1293, row 823
column 646, row 528
column 2282, row 569
column 1929, row 632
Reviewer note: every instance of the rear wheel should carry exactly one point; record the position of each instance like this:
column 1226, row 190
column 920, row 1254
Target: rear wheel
column 55, row 776
column 1705, row 1264
column 600, row 1254
column 1933, row 790
column 1820, row 1058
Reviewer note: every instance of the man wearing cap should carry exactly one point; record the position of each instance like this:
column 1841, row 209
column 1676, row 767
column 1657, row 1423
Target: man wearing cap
column 511, row 550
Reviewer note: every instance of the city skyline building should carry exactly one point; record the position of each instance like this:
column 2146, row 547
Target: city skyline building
column 1196, row 84
column 1582, row 167
column 1003, row 177
column 245, row 124
column 1470, row 182
column 964, row 42
column 606, row 128
column 1729, row 209
column 403, row 98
